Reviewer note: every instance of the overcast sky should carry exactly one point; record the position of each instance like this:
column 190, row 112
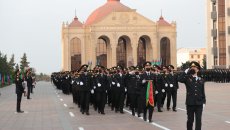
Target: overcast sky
column 34, row 26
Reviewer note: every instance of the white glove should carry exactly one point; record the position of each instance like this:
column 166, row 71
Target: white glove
column 77, row 83
column 81, row 83
column 118, row 85
column 171, row 85
column 125, row 89
column 72, row 81
column 105, row 91
column 186, row 71
column 203, row 106
column 92, row 91
column 163, row 90
column 99, row 85
column 143, row 81
column 113, row 83
column 66, row 77
column 94, row 87
column 156, row 92
column 166, row 85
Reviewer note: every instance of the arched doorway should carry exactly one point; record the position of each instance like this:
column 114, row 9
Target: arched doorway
column 165, row 51
column 102, row 51
column 75, row 50
column 141, row 51
column 124, row 50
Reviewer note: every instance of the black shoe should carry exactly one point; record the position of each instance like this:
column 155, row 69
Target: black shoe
column 87, row 113
column 103, row 113
column 168, row 109
column 160, row 110
column 144, row 119
column 138, row 115
column 121, row 112
column 20, row 111
column 174, row 110
column 150, row 121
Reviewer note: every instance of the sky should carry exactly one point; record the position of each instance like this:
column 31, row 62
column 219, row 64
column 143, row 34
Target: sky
column 34, row 26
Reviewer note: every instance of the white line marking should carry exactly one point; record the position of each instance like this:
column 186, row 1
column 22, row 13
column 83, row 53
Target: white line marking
column 65, row 105
column 80, row 128
column 155, row 124
column 71, row 114
column 61, row 99
column 227, row 122
column 181, row 109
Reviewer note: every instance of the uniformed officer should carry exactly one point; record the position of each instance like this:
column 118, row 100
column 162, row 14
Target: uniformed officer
column 19, row 90
column 85, row 82
column 159, row 87
column 172, row 86
column 195, row 95
column 29, row 81
column 147, row 91
column 101, row 87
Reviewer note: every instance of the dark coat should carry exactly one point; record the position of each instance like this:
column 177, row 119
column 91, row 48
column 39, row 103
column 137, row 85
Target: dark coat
column 195, row 93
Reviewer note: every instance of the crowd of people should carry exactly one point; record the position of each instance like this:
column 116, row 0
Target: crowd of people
column 25, row 82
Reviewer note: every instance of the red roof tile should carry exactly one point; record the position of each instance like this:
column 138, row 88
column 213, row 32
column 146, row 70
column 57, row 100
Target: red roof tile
column 161, row 21
column 75, row 23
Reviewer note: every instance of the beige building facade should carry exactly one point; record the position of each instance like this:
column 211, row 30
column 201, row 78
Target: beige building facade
column 115, row 34
column 218, row 33
column 191, row 54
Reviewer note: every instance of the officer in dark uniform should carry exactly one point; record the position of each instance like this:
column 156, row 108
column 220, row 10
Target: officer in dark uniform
column 120, row 89
column 148, row 103
column 195, row 95
column 132, row 88
column 85, row 82
column 101, row 84
column 19, row 90
column 172, row 85
column 159, row 87
column 29, row 81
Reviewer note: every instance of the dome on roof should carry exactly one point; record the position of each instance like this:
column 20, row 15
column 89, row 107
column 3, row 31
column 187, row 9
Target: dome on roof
column 105, row 10
column 161, row 21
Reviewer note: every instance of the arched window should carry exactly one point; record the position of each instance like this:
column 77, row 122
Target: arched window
column 165, row 51
column 75, row 51
column 141, row 51
column 101, row 52
column 121, row 52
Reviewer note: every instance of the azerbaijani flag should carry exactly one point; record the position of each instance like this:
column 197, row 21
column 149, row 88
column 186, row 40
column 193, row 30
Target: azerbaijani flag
column 149, row 94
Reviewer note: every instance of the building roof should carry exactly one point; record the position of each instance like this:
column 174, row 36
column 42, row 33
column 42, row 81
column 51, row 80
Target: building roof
column 75, row 23
column 105, row 10
column 161, row 21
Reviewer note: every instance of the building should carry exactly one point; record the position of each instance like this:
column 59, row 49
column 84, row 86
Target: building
column 115, row 34
column 190, row 54
column 218, row 33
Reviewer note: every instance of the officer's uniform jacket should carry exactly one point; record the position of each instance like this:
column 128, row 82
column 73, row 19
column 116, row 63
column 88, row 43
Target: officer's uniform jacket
column 195, row 94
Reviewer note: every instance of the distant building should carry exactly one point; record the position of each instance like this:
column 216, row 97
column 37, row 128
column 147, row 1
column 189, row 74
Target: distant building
column 218, row 33
column 190, row 54
column 115, row 34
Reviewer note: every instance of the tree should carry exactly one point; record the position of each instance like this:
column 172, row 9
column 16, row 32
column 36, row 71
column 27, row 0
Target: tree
column 185, row 65
column 204, row 63
column 11, row 64
column 16, row 67
column 24, row 62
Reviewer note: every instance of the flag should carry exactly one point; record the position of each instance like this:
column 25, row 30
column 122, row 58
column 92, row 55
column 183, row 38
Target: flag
column 2, row 80
column 149, row 94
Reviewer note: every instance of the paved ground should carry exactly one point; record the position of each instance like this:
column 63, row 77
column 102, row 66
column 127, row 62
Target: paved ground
column 49, row 109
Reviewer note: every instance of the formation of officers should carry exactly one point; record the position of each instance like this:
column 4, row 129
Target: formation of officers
column 140, row 88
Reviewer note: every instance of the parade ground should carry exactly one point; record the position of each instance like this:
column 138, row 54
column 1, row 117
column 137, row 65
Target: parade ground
column 50, row 109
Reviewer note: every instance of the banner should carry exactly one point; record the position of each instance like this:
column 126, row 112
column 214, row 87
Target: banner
column 149, row 94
